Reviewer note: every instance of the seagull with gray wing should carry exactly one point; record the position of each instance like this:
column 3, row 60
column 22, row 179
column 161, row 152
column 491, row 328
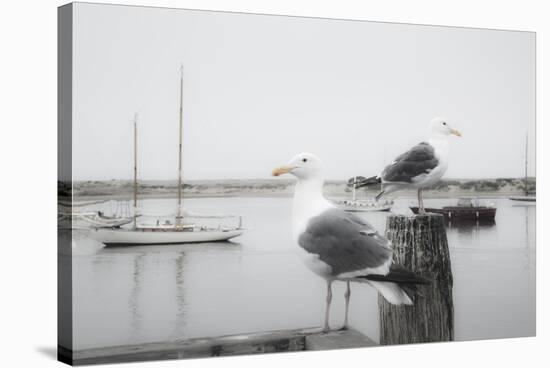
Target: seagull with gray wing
column 338, row 245
column 418, row 168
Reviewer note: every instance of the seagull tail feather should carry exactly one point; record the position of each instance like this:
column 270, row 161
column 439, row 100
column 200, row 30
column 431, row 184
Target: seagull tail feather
column 392, row 292
column 399, row 286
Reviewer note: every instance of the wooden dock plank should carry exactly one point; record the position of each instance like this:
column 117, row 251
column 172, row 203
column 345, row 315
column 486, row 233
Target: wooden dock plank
column 346, row 339
column 254, row 343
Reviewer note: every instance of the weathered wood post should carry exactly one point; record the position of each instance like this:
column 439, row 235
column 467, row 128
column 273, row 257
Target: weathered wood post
column 420, row 245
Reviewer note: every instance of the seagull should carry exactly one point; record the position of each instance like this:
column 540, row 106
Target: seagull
column 338, row 245
column 420, row 167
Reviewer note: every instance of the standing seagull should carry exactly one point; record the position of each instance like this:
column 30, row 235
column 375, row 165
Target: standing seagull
column 420, row 167
column 338, row 245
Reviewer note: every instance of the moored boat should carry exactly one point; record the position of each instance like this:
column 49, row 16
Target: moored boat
column 529, row 196
column 181, row 230
column 362, row 205
column 526, row 198
column 98, row 219
column 75, row 218
column 466, row 209
column 148, row 235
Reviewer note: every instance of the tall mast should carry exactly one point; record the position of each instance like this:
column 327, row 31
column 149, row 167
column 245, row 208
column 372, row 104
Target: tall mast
column 178, row 217
column 135, row 168
column 526, row 153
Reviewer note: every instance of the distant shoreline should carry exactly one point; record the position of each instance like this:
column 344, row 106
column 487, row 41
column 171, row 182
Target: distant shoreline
column 123, row 189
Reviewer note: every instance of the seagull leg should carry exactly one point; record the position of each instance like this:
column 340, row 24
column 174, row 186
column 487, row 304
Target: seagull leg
column 347, row 295
column 327, row 310
column 421, row 210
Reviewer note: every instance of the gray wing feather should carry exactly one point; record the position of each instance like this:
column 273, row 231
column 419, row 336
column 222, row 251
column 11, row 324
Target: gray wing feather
column 345, row 242
column 417, row 161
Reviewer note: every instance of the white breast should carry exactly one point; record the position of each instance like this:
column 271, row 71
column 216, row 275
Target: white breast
column 309, row 202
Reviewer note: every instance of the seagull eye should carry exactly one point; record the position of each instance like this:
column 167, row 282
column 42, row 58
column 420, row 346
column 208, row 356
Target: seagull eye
column 444, row 123
column 304, row 160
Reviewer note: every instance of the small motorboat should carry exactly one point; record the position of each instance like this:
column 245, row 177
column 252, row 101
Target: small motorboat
column 99, row 219
column 529, row 196
column 95, row 219
column 466, row 209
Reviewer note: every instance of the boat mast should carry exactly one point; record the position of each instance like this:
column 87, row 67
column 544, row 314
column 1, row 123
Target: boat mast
column 354, row 185
column 526, row 153
column 135, row 169
column 178, row 216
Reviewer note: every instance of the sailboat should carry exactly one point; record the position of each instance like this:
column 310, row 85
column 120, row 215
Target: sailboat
column 166, row 233
column 363, row 205
column 528, row 196
column 77, row 216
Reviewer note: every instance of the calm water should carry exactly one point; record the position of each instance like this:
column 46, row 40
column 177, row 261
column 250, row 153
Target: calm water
column 256, row 283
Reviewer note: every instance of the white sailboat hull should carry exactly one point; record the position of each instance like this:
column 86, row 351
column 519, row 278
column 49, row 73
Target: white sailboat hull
column 125, row 237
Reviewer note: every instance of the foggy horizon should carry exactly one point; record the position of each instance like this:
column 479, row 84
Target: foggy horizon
column 259, row 89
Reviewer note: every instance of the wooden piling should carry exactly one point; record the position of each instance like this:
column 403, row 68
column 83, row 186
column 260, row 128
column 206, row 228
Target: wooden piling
column 420, row 245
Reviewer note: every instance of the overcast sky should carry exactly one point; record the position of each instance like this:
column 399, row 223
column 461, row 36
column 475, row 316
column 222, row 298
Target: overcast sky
column 259, row 89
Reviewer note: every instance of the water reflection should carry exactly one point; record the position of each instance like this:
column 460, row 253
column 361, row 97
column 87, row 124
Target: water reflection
column 179, row 325
column 128, row 295
column 133, row 302
column 468, row 232
column 469, row 224
column 131, row 295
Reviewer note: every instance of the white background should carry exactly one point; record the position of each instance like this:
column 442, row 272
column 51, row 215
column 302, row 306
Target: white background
column 28, row 193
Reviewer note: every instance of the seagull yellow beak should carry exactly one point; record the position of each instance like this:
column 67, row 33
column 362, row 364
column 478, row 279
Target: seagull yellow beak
column 456, row 132
column 282, row 170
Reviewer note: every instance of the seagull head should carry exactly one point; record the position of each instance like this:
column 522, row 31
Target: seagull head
column 441, row 127
column 303, row 166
